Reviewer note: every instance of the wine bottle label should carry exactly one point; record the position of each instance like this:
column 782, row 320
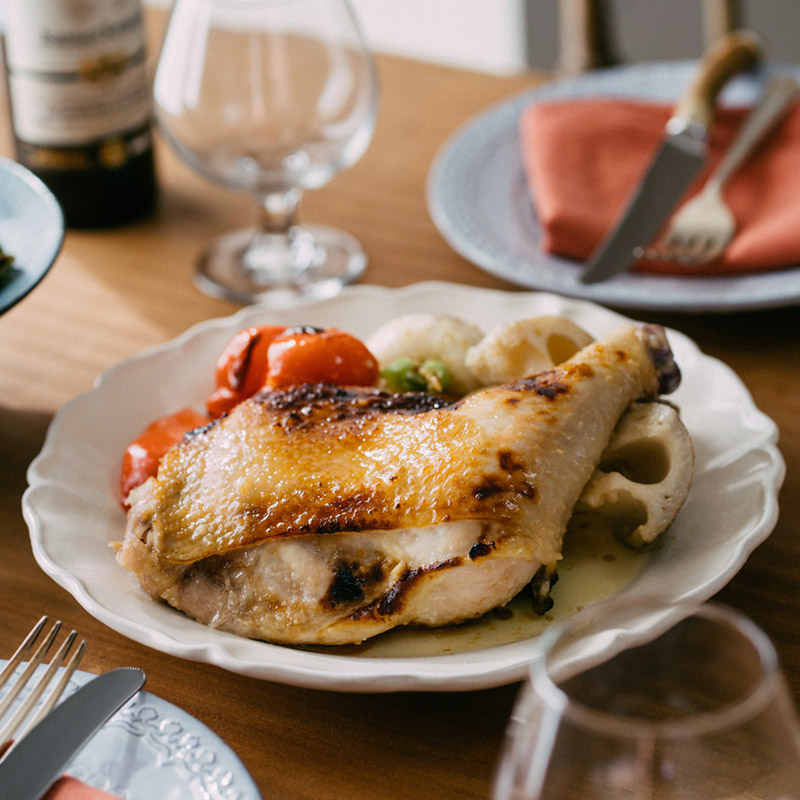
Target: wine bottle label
column 110, row 152
column 76, row 70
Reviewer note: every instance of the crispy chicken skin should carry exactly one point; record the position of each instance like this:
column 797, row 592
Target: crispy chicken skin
column 327, row 515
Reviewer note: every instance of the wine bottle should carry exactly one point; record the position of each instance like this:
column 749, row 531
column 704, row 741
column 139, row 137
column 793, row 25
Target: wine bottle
column 81, row 105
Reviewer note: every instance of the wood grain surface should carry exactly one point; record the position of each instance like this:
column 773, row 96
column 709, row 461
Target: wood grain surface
column 113, row 293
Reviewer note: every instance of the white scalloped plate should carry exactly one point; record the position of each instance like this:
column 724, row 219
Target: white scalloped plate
column 73, row 513
column 153, row 749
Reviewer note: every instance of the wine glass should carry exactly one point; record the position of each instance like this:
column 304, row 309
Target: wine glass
column 272, row 97
column 641, row 701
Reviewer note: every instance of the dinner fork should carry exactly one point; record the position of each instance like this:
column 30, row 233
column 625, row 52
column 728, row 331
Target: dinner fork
column 24, row 717
column 703, row 227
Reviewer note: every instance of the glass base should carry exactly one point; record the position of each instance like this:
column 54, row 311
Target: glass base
column 249, row 266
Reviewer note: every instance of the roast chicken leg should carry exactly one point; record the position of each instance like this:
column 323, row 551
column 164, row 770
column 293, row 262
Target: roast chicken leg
column 327, row 515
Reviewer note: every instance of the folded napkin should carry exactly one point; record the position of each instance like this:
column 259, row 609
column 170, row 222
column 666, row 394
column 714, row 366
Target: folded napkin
column 69, row 788
column 583, row 158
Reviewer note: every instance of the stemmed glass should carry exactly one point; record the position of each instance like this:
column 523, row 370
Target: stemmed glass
column 651, row 703
column 272, row 97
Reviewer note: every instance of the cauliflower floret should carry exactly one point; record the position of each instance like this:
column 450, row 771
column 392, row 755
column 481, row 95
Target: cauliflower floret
column 519, row 349
column 421, row 337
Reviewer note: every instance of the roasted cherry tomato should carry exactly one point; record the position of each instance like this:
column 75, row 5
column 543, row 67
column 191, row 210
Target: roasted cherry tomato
column 311, row 355
column 143, row 454
column 241, row 368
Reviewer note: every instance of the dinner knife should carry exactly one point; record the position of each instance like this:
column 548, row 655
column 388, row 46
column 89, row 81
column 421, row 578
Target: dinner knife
column 679, row 159
column 40, row 757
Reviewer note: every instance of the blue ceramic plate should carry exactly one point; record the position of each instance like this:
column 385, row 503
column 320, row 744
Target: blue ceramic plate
column 31, row 230
column 151, row 748
column 480, row 201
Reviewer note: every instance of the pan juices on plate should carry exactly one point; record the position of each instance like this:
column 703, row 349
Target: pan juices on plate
column 323, row 513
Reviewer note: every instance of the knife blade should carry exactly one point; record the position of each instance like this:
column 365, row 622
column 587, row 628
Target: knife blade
column 39, row 759
column 678, row 160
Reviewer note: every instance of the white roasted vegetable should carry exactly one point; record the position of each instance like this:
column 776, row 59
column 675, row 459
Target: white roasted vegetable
column 644, row 475
column 519, row 349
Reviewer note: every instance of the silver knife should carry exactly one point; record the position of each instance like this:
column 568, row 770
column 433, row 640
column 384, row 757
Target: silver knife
column 39, row 759
column 679, row 159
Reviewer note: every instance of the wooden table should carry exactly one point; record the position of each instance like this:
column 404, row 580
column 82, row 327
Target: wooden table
column 116, row 292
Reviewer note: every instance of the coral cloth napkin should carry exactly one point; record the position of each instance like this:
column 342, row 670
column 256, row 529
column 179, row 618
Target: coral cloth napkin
column 68, row 788
column 583, row 158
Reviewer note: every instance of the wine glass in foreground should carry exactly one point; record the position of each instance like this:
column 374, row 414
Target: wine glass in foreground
column 622, row 703
column 271, row 97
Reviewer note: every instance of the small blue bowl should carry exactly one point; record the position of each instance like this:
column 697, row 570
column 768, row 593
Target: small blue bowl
column 31, row 230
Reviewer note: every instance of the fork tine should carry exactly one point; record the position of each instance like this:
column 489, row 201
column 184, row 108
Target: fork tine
column 16, row 720
column 34, row 662
column 689, row 250
column 21, row 651
column 58, row 689
column 692, row 252
column 714, row 248
column 13, row 724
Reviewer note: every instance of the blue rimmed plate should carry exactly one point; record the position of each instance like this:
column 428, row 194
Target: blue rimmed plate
column 480, row 201
column 31, row 230
column 151, row 748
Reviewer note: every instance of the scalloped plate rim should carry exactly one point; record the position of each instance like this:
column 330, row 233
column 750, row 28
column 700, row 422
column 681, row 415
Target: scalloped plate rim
column 467, row 671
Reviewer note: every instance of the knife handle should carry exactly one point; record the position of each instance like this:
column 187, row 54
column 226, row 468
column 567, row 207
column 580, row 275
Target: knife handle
column 733, row 53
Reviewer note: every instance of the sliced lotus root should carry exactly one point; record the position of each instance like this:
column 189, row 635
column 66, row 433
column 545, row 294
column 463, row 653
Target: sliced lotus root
column 644, row 475
column 523, row 348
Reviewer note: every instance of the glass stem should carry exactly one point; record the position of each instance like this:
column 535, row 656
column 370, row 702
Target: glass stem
column 279, row 211
column 281, row 252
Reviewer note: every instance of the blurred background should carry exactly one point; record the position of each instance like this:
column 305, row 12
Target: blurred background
column 506, row 36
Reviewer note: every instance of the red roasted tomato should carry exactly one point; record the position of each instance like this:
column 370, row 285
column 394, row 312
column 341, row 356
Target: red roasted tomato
column 311, row 355
column 142, row 455
column 241, row 368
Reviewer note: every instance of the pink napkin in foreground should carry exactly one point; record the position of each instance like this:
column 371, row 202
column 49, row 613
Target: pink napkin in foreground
column 69, row 788
column 583, row 158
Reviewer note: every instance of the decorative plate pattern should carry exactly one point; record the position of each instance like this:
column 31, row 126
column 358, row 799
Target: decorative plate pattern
column 73, row 512
column 151, row 748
